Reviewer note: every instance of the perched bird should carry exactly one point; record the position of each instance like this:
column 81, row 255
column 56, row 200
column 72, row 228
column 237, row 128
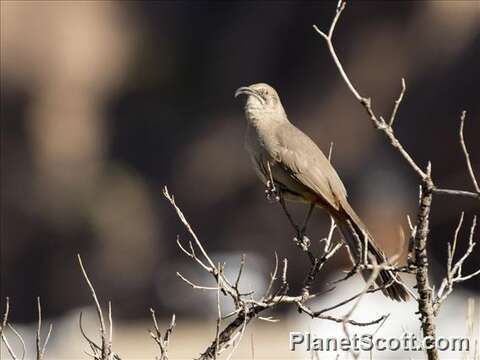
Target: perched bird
column 302, row 173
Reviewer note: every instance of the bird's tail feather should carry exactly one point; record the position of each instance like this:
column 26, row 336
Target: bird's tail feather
column 391, row 284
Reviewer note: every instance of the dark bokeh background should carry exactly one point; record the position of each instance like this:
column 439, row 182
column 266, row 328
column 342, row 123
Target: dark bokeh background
column 103, row 103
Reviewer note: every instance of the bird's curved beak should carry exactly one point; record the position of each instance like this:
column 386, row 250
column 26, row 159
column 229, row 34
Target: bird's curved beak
column 245, row 90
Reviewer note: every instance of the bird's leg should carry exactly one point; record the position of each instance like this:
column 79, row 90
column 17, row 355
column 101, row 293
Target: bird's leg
column 307, row 218
column 300, row 239
column 304, row 240
column 289, row 216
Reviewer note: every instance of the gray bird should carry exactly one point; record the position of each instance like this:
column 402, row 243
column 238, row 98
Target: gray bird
column 302, row 173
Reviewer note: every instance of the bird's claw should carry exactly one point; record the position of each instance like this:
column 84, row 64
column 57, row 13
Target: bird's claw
column 271, row 192
column 355, row 269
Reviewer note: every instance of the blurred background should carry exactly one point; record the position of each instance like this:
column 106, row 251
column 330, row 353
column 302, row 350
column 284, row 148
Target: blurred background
column 103, row 103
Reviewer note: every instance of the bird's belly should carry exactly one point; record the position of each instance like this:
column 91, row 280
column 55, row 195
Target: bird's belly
column 291, row 188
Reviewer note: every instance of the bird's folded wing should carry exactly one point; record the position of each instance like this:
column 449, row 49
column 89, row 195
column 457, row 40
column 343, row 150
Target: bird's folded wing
column 307, row 164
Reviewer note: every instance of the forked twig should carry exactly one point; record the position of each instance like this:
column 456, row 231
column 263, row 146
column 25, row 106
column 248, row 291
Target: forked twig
column 162, row 341
column 455, row 269
column 3, row 337
column 104, row 350
column 41, row 348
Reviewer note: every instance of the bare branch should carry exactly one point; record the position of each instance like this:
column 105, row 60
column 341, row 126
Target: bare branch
column 9, row 348
column 467, row 155
column 90, row 342
column 397, row 103
column 97, row 306
column 371, row 281
column 110, row 337
column 425, row 305
column 105, row 349
column 348, row 300
column 219, row 317
column 181, row 216
column 3, row 338
column 303, row 308
column 454, row 270
column 195, row 286
column 242, row 264
column 463, row 193
column 20, row 338
column 328, row 38
column 387, row 128
column 419, row 233
column 5, row 315
column 162, row 341
column 248, row 309
column 378, row 122
column 273, row 277
column 237, row 339
column 41, row 348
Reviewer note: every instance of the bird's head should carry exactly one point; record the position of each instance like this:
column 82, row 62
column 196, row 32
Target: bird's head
column 263, row 102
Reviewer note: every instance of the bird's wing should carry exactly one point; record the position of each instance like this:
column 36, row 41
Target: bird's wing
column 302, row 159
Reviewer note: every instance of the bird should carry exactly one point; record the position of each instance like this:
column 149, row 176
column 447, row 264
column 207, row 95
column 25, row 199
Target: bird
column 302, row 173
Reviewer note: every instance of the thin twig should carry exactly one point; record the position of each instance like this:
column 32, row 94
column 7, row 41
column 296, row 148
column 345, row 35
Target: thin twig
column 467, row 155
column 20, row 338
column 3, row 325
column 397, row 103
column 463, row 193
column 41, row 348
column 105, row 348
column 181, row 216
column 162, row 341
column 378, row 122
column 97, row 306
column 454, row 270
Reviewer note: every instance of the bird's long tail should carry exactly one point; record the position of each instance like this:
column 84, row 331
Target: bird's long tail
column 391, row 284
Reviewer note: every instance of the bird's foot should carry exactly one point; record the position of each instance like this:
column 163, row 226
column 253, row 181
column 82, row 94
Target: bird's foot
column 304, row 243
column 271, row 192
column 354, row 270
